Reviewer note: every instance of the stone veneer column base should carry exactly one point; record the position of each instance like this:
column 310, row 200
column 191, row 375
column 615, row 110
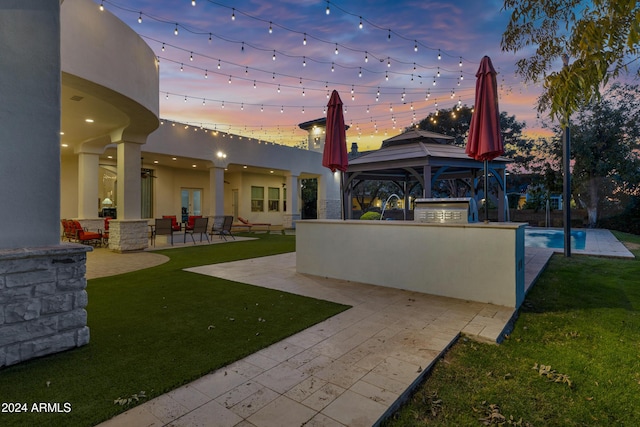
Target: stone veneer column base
column 329, row 209
column 128, row 235
column 42, row 301
column 289, row 220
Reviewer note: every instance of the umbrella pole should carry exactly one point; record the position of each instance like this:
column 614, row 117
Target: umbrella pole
column 342, row 208
column 486, row 191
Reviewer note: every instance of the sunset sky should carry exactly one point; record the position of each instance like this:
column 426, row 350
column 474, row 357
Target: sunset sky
column 219, row 71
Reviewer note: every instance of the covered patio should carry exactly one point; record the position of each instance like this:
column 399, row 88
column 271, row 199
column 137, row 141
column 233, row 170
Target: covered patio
column 415, row 161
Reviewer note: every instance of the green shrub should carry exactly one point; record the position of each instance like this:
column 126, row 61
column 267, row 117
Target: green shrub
column 370, row 216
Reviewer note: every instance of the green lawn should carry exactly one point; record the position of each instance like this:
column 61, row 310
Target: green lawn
column 156, row 329
column 573, row 358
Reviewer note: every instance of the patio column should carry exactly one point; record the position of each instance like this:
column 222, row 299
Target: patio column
column 216, row 191
column 42, row 281
column 293, row 207
column 88, row 201
column 129, row 232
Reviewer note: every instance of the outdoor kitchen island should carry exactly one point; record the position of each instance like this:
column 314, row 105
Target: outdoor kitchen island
column 481, row 262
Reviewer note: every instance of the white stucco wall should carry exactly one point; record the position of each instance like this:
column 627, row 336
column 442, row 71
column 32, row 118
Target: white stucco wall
column 477, row 262
column 101, row 49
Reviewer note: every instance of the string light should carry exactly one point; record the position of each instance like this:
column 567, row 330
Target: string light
column 304, row 61
column 193, row 2
column 181, row 67
column 270, row 28
column 415, row 46
column 460, row 63
column 140, row 18
column 175, row 32
column 336, row 48
column 360, row 26
column 328, row 11
column 304, row 40
column 233, row 14
column 274, row 55
column 439, row 56
column 191, row 57
column 206, row 74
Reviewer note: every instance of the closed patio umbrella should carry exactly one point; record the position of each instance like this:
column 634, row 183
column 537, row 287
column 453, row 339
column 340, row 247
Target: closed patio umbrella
column 334, row 156
column 485, row 140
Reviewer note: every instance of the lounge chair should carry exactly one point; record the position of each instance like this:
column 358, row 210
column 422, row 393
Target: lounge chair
column 263, row 226
column 199, row 226
column 82, row 235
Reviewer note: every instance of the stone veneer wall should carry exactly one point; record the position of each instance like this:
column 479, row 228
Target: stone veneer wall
column 329, row 209
column 289, row 220
column 128, row 235
column 42, row 301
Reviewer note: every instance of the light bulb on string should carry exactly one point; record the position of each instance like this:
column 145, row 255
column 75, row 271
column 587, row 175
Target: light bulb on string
column 461, row 76
column 336, row 48
column 185, row 99
column 181, row 67
column 439, row 56
column 233, row 14
column 389, row 36
column 282, row 109
column 270, row 28
column 388, row 62
column 415, row 46
column 386, row 75
column 163, row 47
column 328, row 11
column 460, row 63
column 203, row 102
column 175, row 31
column 206, row 75
column 102, row 6
column 304, row 61
column 191, row 56
column 242, row 106
column 210, row 37
column 254, row 84
column 360, row 72
column 229, row 79
column 360, row 26
column 304, row 40
column 140, row 18
column 438, row 74
column 218, row 64
column 366, row 57
column 274, row 55
column 193, row 2
column 332, row 67
column 278, row 88
column 222, row 106
column 434, row 80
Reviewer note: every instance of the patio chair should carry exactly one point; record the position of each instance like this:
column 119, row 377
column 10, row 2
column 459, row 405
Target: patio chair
column 162, row 227
column 191, row 221
column 175, row 225
column 224, row 229
column 82, row 235
column 199, row 226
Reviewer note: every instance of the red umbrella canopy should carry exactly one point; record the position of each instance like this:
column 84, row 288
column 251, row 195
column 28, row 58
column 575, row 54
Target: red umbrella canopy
column 485, row 140
column 335, row 144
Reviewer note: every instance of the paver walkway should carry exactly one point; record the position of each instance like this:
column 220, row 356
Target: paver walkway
column 349, row 370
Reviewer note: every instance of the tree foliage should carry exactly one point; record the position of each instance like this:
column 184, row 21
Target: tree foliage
column 605, row 144
column 600, row 39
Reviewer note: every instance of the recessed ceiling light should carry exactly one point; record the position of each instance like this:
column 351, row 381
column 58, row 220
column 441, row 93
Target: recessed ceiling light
column 88, row 120
column 155, row 161
column 64, row 145
column 174, row 158
column 109, row 157
column 193, row 166
column 245, row 166
column 61, row 133
column 270, row 171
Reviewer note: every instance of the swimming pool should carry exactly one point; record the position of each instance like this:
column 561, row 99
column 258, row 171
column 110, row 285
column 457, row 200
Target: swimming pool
column 547, row 238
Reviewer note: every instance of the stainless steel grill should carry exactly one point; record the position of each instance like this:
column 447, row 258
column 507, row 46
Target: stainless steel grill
column 446, row 211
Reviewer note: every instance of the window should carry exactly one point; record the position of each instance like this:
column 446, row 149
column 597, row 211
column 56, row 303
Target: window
column 257, row 199
column 274, row 199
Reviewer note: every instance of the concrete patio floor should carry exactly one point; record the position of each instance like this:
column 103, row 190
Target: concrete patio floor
column 353, row 369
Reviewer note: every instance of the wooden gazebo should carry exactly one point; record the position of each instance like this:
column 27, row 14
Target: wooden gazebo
column 419, row 157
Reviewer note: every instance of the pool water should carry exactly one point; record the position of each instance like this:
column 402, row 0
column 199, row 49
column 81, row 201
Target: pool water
column 545, row 238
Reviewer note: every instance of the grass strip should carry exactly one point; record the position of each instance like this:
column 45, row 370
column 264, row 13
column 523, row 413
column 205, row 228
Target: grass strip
column 156, row 329
column 573, row 358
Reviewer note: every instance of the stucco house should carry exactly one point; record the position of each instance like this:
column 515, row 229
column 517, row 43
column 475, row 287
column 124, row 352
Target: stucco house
column 80, row 130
